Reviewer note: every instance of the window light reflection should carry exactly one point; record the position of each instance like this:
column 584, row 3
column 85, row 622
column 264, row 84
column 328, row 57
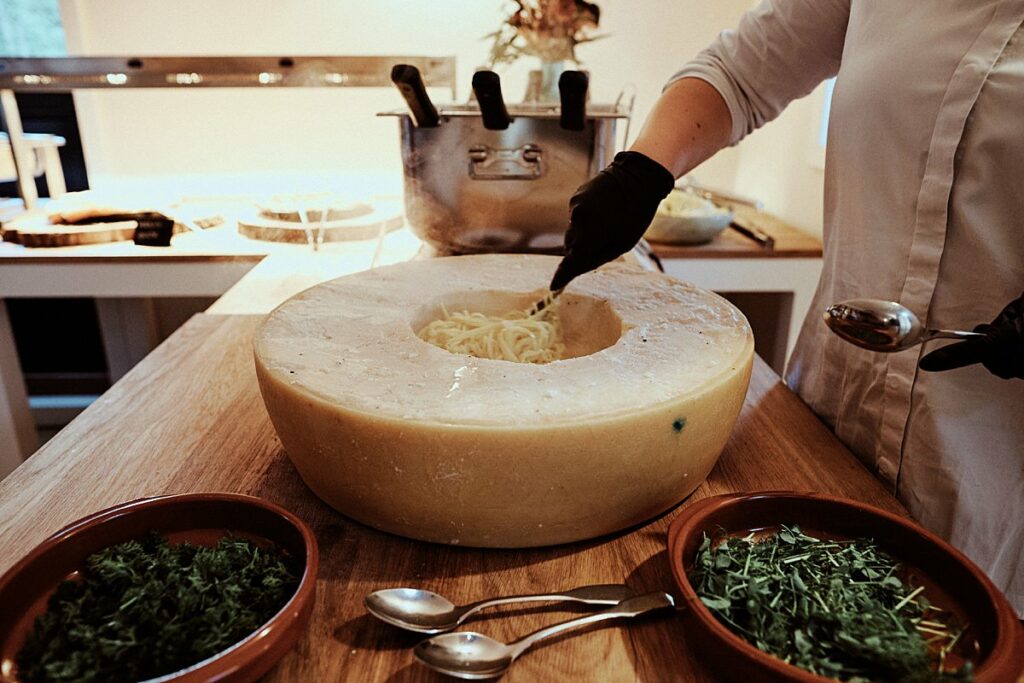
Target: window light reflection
column 187, row 79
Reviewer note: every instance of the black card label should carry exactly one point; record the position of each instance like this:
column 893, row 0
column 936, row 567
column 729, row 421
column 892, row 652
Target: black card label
column 153, row 230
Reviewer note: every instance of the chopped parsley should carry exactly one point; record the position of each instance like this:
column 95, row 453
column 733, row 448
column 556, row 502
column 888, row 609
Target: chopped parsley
column 146, row 608
column 837, row 608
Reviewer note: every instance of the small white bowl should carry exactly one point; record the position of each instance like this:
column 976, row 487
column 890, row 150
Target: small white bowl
column 685, row 218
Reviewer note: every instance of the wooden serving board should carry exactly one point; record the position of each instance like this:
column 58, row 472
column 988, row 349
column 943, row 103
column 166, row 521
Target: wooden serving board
column 47, row 235
column 33, row 229
column 331, row 214
column 359, row 226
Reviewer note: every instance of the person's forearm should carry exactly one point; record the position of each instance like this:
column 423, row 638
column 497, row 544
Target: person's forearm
column 689, row 123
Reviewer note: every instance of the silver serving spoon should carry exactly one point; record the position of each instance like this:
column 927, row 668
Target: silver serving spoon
column 427, row 612
column 883, row 325
column 476, row 656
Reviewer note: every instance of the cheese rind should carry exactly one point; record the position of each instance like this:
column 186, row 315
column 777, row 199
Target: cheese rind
column 408, row 438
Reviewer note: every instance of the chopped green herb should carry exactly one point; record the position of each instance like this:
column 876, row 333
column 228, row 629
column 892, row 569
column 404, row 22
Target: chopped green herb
column 836, row 608
column 146, row 608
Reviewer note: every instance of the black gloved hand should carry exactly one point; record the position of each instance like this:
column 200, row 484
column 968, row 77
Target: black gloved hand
column 1001, row 350
column 610, row 213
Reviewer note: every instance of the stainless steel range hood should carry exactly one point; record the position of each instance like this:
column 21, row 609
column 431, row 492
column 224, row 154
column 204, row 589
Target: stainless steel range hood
column 75, row 73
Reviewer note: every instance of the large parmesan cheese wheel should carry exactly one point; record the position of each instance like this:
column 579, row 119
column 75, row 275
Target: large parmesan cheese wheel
column 412, row 439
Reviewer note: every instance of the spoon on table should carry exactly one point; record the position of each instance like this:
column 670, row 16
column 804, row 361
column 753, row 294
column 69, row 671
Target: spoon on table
column 884, row 326
column 427, row 612
column 476, row 656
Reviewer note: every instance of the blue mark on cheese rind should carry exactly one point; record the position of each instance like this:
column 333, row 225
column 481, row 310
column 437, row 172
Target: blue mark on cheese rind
column 678, row 424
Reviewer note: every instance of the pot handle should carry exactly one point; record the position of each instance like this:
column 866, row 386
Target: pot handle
column 409, row 82
column 518, row 163
column 487, row 87
column 572, row 89
column 628, row 96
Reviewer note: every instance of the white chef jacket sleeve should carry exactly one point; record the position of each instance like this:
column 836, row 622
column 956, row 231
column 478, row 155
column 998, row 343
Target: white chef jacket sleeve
column 779, row 52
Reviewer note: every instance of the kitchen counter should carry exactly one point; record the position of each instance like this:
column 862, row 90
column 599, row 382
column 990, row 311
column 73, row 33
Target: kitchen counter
column 189, row 418
column 789, row 241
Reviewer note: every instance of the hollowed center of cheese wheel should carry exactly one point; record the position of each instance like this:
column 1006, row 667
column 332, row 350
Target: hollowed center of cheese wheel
column 587, row 324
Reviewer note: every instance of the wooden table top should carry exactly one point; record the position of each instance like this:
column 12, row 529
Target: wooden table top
column 790, row 241
column 189, row 418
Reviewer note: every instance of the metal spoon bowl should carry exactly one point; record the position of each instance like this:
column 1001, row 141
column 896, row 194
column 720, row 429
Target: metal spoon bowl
column 475, row 656
column 424, row 611
column 885, row 326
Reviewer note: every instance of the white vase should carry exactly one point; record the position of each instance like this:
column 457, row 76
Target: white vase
column 542, row 87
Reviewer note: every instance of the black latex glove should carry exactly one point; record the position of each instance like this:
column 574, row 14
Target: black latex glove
column 610, row 213
column 1001, row 350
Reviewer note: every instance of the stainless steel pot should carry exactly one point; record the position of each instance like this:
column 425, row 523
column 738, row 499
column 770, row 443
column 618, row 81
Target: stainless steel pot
column 472, row 190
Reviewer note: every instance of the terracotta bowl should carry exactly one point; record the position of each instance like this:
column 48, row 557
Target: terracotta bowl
column 202, row 519
column 953, row 582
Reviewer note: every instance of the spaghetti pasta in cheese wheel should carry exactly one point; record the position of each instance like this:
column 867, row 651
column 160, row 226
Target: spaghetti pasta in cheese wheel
column 515, row 336
column 444, row 446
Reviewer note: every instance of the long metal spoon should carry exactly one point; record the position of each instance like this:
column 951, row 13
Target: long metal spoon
column 476, row 656
column 884, row 326
column 427, row 612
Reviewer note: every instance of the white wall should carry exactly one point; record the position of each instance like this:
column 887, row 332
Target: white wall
column 782, row 164
column 291, row 140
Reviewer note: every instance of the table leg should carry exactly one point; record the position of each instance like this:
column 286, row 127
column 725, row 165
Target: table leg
column 21, row 151
column 54, row 171
column 18, row 437
column 129, row 331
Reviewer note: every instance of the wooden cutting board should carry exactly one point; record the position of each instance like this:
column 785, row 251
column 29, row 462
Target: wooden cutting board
column 381, row 217
column 36, row 231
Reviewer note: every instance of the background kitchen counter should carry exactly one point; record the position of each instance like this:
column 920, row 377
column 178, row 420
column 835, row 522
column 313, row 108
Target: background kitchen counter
column 189, row 418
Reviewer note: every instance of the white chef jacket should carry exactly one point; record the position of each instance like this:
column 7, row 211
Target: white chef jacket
column 924, row 204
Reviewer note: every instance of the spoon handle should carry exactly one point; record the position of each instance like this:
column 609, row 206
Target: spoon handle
column 602, row 594
column 951, row 334
column 631, row 607
column 544, row 303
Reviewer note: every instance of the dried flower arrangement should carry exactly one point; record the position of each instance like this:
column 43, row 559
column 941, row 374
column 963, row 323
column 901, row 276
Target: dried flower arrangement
column 547, row 29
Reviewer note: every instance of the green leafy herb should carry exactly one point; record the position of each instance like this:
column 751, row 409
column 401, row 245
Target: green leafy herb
column 834, row 607
column 146, row 608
